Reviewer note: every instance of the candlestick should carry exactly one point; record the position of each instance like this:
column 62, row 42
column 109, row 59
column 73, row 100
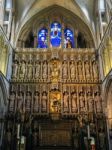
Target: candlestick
column 88, row 130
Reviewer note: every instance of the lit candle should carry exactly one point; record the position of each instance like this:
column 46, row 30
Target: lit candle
column 88, row 129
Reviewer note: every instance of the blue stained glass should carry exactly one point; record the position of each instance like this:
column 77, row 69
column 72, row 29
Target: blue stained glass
column 55, row 34
column 42, row 38
column 69, row 38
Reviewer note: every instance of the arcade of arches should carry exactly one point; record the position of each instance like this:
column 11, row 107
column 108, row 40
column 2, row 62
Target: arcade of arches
column 56, row 78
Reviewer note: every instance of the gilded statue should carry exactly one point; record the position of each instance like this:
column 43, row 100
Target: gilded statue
column 55, row 102
column 55, row 71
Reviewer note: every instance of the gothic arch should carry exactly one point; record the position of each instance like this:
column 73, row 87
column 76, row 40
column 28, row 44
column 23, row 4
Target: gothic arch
column 39, row 12
column 108, row 100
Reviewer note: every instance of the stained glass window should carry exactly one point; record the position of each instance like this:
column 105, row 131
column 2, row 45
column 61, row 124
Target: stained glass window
column 42, row 38
column 68, row 38
column 55, row 34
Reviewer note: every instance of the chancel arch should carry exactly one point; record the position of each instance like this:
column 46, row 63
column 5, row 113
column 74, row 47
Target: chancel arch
column 66, row 19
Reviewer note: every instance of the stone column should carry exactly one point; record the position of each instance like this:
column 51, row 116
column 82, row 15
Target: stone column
column 62, row 40
column 35, row 41
column 75, row 37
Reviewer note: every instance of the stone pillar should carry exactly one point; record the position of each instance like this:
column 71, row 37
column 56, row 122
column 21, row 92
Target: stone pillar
column 62, row 41
column 35, row 41
column 75, row 37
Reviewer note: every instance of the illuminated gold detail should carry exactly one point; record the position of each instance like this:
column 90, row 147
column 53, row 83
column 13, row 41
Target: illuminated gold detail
column 55, row 102
column 55, row 70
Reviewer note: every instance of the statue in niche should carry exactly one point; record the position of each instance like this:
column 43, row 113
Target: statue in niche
column 90, row 102
column 20, row 99
column 28, row 102
column 12, row 101
column 74, row 102
column 80, row 70
column 95, row 70
column 44, row 102
column 68, row 43
column 29, row 70
column 44, row 70
column 82, row 102
column 98, row 102
column 37, row 70
column 87, row 70
column 64, row 70
column 55, row 102
column 22, row 70
column 55, row 71
column 15, row 69
column 36, row 102
column 65, row 102
column 72, row 70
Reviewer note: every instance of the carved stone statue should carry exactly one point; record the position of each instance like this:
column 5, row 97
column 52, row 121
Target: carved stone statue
column 87, row 70
column 45, row 70
column 90, row 102
column 80, row 70
column 65, row 102
column 20, row 102
column 44, row 102
column 22, row 70
column 29, row 70
column 82, row 102
column 64, row 70
column 12, row 102
column 37, row 70
column 28, row 102
column 74, row 102
column 72, row 70
column 98, row 102
column 36, row 102
column 15, row 70
column 95, row 70
column 55, row 72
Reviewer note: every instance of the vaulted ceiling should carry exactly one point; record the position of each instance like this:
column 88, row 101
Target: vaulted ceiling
column 27, row 9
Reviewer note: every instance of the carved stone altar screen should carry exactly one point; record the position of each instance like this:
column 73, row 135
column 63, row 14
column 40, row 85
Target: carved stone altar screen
column 56, row 84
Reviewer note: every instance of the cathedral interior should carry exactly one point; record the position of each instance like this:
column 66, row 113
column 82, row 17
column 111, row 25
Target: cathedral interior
column 56, row 75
